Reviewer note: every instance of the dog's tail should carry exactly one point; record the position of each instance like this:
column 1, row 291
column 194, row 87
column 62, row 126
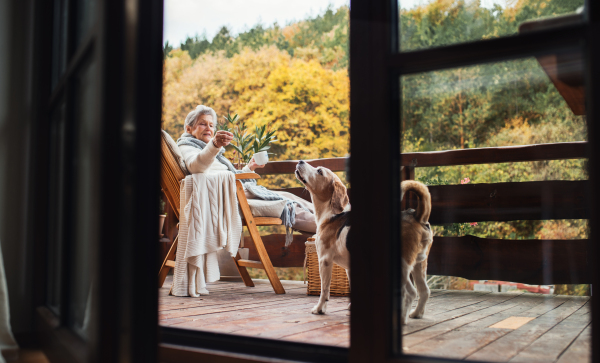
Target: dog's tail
column 424, row 208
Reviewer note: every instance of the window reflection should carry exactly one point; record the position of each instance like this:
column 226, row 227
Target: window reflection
column 521, row 102
column 501, row 148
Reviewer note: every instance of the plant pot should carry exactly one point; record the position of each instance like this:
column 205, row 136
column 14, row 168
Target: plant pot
column 161, row 223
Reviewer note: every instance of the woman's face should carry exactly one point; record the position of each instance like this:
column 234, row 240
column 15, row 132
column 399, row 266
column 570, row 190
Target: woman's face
column 204, row 128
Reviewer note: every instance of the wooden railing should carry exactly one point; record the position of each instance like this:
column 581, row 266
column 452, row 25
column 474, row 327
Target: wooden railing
column 289, row 166
column 494, row 155
column 489, row 155
column 527, row 261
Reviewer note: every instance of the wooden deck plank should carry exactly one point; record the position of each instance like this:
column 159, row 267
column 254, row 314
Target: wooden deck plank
column 495, row 304
column 257, row 303
column 455, row 300
column 550, row 345
column 222, row 300
column 223, row 285
column 202, row 321
column 226, row 295
column 456, row 323
column 452, row 311
column 235, row 288
column 284, row 324
column 465, row 340
column 509, row 345
column 580, row 350
column 297, row 324
column 216, row 297
column 328, row 335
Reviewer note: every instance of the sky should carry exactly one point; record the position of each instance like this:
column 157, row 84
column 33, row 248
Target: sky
column 183, row 18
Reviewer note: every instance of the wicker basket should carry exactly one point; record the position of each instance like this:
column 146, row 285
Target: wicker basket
column 339, row 279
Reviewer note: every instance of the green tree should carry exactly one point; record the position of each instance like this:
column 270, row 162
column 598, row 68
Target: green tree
column 196, row 46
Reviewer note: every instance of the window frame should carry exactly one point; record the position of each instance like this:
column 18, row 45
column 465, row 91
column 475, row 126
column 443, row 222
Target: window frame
column 124, row 301
column 375, row 96
column 131, row 109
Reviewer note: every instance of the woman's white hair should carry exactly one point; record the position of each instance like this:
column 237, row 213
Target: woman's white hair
column 192, row 117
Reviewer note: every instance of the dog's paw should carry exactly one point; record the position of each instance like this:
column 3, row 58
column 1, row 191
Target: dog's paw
column 193, row 294
column 416, row 314
column 349, row 306
column 319, row 310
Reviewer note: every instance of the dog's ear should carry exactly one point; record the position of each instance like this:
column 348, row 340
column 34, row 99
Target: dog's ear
column 339, row 198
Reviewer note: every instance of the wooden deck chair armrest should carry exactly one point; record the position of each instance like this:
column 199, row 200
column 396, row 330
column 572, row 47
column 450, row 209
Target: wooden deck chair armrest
column 247, row 176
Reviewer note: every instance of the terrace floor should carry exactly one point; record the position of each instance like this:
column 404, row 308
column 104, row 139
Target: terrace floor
column 472, row 325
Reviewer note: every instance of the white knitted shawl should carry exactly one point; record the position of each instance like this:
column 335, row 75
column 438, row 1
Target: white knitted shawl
column 209, row 221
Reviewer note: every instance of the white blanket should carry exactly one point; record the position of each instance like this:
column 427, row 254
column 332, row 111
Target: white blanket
column 209, row 221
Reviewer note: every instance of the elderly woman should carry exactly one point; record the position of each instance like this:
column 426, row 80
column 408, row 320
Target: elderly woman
column 202, row 149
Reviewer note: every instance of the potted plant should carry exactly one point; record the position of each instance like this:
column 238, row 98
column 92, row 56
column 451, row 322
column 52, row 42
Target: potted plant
column 246, row 144
column 161, row 215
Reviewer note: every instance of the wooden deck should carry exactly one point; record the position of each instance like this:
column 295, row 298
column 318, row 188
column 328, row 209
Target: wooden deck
column 471, row 325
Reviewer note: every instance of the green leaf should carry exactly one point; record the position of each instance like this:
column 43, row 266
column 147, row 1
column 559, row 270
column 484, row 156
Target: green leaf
column 237, row 149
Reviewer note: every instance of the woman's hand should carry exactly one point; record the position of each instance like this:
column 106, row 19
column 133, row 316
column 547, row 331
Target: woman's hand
column 222, row 138
column 253, row 165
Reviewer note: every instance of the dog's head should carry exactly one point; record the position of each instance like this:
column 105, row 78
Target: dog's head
column 323, row 185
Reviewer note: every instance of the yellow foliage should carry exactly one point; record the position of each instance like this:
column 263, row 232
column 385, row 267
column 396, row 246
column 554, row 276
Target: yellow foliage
column 289, row 31
column 518, row 130
column 563, row 229
column 511, row 10
column 177, row 61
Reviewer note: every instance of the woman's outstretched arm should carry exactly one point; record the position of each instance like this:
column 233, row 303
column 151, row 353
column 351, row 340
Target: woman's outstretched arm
column 196, row 160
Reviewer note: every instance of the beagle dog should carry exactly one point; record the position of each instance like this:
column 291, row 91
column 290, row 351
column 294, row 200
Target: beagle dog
column 332, row 212
column 417, row 238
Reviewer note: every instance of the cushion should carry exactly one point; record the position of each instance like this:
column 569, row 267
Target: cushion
column 266, row 208
column 175, row 151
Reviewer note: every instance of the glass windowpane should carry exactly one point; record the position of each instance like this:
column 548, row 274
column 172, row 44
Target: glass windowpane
column 283, row 67
column 501, row 259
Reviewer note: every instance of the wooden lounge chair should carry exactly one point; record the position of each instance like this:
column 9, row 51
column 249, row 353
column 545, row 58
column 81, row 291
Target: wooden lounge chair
column 172, row 171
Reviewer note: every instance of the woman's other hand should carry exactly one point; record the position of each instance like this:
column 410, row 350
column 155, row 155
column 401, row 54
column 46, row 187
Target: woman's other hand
column 222, row 138
column 253, row 165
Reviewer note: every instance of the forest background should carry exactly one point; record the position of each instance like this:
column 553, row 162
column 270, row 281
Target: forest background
column 294, row 78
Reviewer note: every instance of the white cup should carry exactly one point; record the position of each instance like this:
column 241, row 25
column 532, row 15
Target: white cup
column 261, row 158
